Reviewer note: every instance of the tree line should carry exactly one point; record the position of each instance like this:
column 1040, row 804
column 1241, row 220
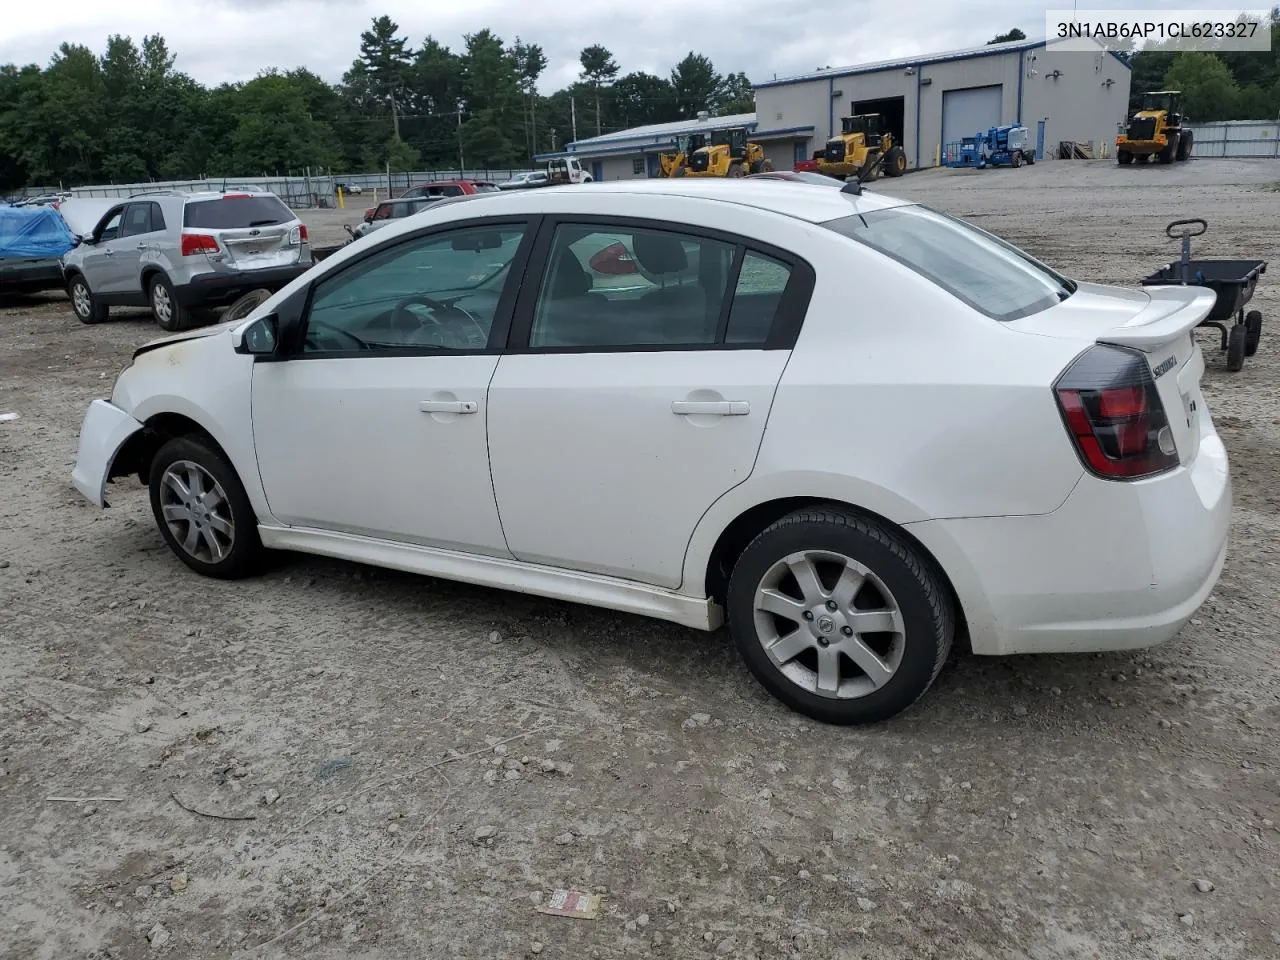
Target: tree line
column 127, row 115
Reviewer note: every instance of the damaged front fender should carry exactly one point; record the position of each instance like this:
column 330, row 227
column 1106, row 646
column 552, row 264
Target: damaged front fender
column 105, row 430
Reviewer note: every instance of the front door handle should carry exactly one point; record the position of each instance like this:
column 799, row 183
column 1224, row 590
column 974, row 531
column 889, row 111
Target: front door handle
column 109, row 252
column 448, row 406
column 713, row 408
column 142, row 246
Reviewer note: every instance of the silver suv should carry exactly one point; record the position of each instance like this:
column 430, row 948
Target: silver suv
column 183, row 254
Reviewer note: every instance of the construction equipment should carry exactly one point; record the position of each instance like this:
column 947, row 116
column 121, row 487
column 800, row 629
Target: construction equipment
column 1157, row 130
column 676, row 164
column 859, row 145
column 1004, row 146
column 729, row 154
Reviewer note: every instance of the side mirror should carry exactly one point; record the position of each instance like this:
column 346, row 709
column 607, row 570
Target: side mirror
column 261, row 337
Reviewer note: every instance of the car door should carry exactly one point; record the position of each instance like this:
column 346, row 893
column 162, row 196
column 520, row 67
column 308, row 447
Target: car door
column 636, row 389
column 377, row 426
column 128, row 247
column 98, row 263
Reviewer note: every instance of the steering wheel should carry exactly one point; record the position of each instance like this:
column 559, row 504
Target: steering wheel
column 438, row 329
column 318, row 332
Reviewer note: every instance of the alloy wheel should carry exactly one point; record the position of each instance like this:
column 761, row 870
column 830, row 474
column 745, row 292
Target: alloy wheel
column 161, row 305
column 829, row 624
column 197, row 511
column 81, row 300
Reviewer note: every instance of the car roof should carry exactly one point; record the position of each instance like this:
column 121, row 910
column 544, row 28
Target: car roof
column 813, row 202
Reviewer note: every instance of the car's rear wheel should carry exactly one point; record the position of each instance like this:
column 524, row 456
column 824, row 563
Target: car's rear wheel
column 165, row 308
column 839, row 616
column 86, row 306
column 202, row 510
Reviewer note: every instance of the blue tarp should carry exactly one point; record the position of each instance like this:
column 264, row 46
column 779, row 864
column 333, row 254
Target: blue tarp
column 33, row 232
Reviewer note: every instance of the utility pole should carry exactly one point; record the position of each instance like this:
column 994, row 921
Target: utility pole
column 395, row 117
column 462, row 167
column 573, row 117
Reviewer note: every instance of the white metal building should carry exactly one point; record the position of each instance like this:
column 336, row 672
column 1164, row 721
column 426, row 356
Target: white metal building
column 927, row 101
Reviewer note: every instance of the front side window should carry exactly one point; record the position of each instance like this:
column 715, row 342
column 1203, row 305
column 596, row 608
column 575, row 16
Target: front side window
column 137, row 220
column 109, row 226
column 436, row 293
column 993, row 277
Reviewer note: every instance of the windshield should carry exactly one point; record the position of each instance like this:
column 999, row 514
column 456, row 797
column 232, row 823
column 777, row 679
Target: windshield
column 993, row 277
column 1158, row 101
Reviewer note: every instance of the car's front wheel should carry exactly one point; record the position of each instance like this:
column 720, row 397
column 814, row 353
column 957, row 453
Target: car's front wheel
column 202, row 510
column 838, row 616
column 84, row 303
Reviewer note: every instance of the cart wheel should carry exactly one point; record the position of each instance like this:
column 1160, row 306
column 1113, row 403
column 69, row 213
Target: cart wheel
column 1236, row 347
column 1252, row 332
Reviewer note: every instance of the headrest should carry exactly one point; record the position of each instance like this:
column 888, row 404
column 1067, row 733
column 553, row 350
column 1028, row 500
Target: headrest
column 570, row 279
column 659, row 252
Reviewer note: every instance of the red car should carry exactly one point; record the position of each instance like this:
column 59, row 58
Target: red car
column 442, row 188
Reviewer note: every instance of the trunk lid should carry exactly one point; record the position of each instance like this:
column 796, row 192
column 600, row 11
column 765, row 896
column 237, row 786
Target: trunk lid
column 1158, row 322
column 253, row 231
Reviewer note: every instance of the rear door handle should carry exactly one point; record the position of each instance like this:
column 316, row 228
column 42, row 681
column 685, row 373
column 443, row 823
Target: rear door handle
column 448, row 406
column 713, row 408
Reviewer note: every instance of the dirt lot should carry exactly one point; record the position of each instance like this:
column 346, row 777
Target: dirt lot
column 1028, row 807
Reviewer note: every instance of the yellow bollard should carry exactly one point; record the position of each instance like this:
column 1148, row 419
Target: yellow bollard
column 341, row 206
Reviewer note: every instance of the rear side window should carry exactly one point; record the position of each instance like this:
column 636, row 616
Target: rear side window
column 234, row 212
column 486, row 188
column 993, row 277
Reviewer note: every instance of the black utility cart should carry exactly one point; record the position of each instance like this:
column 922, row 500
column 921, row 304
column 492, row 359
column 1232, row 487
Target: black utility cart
column 1232, row 280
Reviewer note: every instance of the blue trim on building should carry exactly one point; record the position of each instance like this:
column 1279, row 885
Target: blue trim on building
column 782, row 132
column 831, row 95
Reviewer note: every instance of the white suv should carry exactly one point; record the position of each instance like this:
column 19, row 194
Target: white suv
column 183, row 254
column 852, row 427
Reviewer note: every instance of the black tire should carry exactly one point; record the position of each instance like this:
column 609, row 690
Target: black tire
column 84, row 304
column 895, row 162
column 1124, row 156
column 1236, row 347
column 246, row 304
column 243, row 549
column 1170, row 149
column 916, row 589
column 1252, row 332
column 757, row 166
column 1029, row 157
column 766, row 165
column 1184, row 144
column 168, row 313
column 1016, row 159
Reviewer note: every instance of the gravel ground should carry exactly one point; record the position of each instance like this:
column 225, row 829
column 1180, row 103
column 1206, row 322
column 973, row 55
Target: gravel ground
column 412, row 765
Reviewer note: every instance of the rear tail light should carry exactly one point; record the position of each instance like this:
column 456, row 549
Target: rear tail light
column 1115, row 416
column 298, row 235
column 193, row 243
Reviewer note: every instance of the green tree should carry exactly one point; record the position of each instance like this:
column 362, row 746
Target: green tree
column 491, row 92
column 736, row 95
column 1014, row 34
column 696, row 84
column 598, row 69
column 529, row 61
column 1208, row 90
column 275, row 132
column 642, row 98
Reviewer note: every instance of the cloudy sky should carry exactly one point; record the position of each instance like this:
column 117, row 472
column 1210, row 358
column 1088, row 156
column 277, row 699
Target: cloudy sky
column 230, row 40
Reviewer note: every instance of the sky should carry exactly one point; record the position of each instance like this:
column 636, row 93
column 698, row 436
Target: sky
column 232, row 40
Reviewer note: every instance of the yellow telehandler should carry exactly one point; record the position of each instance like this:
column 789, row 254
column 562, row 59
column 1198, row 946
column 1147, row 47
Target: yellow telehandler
column 729, row 154
column 858, row 146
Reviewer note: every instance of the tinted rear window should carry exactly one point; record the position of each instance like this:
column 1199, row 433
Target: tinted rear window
column 486, row 188
column 993, row 277
column 233, row 212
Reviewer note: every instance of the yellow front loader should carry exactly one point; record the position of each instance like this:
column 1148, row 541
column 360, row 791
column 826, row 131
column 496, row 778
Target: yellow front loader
column 729, row 154
column 860, row 143
column 677, row 164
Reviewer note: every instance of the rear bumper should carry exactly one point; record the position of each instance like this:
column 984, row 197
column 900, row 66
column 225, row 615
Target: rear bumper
column 216, row 289
column 104, row 431
column 44, row 273
column 1118, row 566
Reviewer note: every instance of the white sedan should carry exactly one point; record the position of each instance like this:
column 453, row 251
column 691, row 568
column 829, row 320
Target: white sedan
column 851, row 427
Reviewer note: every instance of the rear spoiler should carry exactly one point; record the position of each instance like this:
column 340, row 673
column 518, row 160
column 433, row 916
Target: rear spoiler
column 1172, row 313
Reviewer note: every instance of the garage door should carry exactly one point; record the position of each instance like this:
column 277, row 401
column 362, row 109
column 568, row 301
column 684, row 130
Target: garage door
column 965, row 112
